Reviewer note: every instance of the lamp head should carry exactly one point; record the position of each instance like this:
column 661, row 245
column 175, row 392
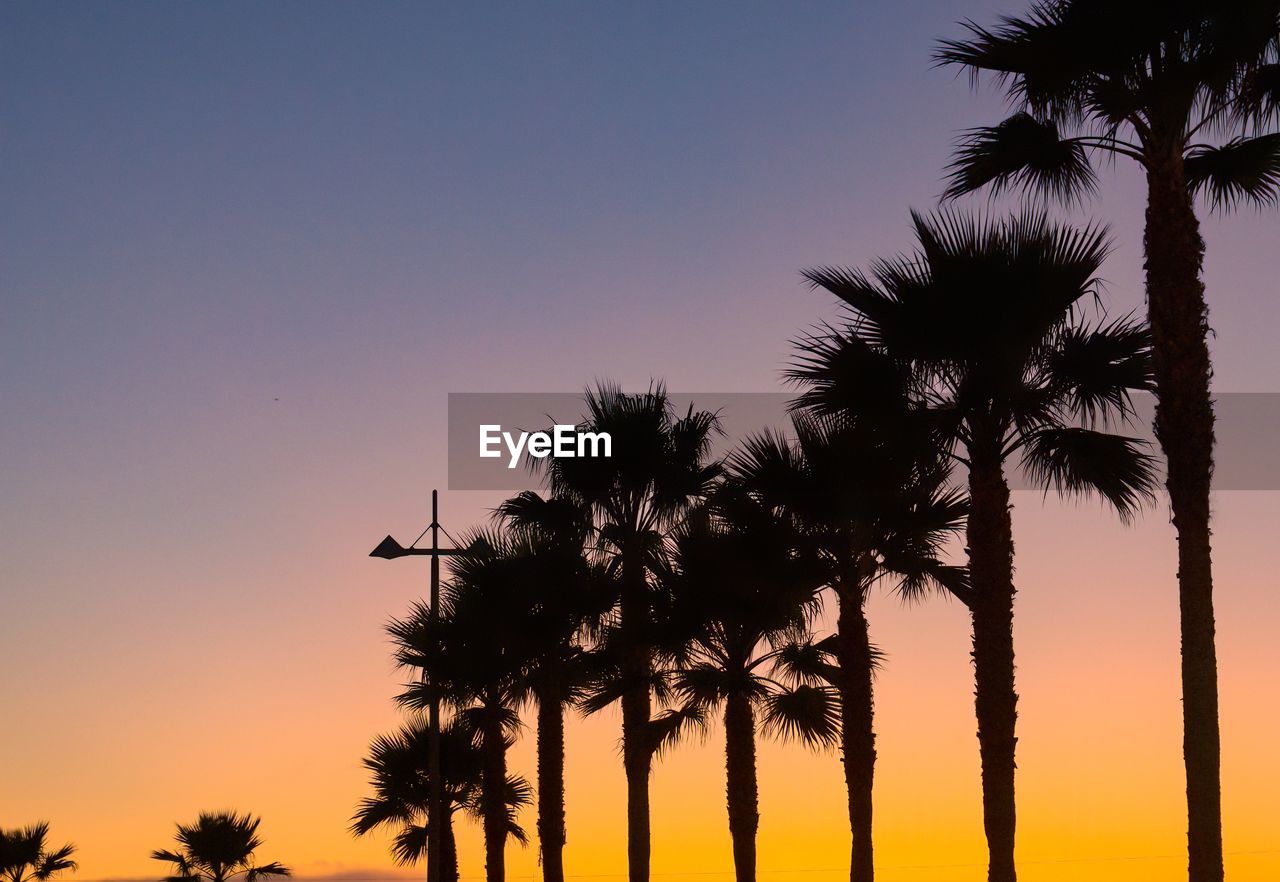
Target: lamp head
column 389, row 549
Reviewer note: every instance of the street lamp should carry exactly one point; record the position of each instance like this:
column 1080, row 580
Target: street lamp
column 390, row 549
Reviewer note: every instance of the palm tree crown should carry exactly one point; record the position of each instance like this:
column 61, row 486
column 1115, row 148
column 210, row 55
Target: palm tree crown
column 24, row 855
column 1147, row 81
column 988, row 316
column 219, row 846
column 398, row 764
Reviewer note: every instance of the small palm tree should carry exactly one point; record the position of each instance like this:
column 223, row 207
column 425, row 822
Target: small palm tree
column 865, row 491
column 660, row 465
column 563, row 597
column 25, row 855
column 738, row 593
column 1190, row 92
column 986, row 316
column 402, row 791
column 218, row 847
column 473, row 659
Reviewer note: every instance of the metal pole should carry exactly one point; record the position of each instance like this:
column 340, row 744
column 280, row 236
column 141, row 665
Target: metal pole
column 435, row 806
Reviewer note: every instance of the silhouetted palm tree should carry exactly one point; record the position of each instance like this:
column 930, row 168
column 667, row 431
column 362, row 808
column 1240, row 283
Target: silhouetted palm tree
column 866, row 492
column 472, row 658
column 986, row 315
column 1191, row 92
column 738, row 592
column 561, row 597
column 658, row 466
column 218, row 847
column 402, row 791
column 25, row 855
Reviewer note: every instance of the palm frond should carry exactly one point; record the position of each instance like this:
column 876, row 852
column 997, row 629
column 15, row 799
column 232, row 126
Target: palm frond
column 1076, row 461
column 667, row 728
column 1039, row 58
column 843, row 374
column 556, row 518
column 263, row 871
column 919, row 576
column 605, row 688
column 410, row 844
column 172, row 857
column 53, row 862
column 517, row 793
column 1099, row 367
column 1021, row 152
column 704, row 685
column 1261, row 92
column 802, row 662
column 374, row 812
column 1242, row 170
column 810, row 714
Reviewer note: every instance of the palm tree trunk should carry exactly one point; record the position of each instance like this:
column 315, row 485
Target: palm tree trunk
column 494, row 807
column 637, row 762
column 740, row 784
column 448, row 849
column 990, row 540
column 1184, row 426
column 551, row 832
column 637, row 710
column 857, row 731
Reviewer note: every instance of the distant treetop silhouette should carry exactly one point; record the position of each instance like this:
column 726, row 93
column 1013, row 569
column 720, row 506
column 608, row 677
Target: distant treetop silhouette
column 218, row 847
column 24, row 855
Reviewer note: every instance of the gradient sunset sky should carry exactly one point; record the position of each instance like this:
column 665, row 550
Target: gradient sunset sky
column 247, row 249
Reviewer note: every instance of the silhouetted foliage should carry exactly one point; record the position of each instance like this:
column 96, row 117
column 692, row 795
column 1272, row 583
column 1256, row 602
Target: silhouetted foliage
column 473, row 658
column 985, row 316
column 864, row 487
column 219, row 846
column 1190, row 90
column 1150, row 81
column 400, row 776
column 25, row 855
column 563, row 596
column 737, row 592
column 660, row 465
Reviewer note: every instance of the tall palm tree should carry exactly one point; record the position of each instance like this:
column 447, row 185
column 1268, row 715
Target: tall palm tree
column 25, row 855
column 562, row 596
column 402, row 791
column 738, row 595
column 218, row 847
column 986, row 315
column 866, row 492
column 1191, row 92
column 471, row 660
column 659, row 466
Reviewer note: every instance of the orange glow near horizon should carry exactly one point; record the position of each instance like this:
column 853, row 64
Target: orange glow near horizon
column 1099, row 779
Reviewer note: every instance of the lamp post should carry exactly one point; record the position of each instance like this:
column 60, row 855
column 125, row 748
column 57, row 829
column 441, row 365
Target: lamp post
column 390, row 549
